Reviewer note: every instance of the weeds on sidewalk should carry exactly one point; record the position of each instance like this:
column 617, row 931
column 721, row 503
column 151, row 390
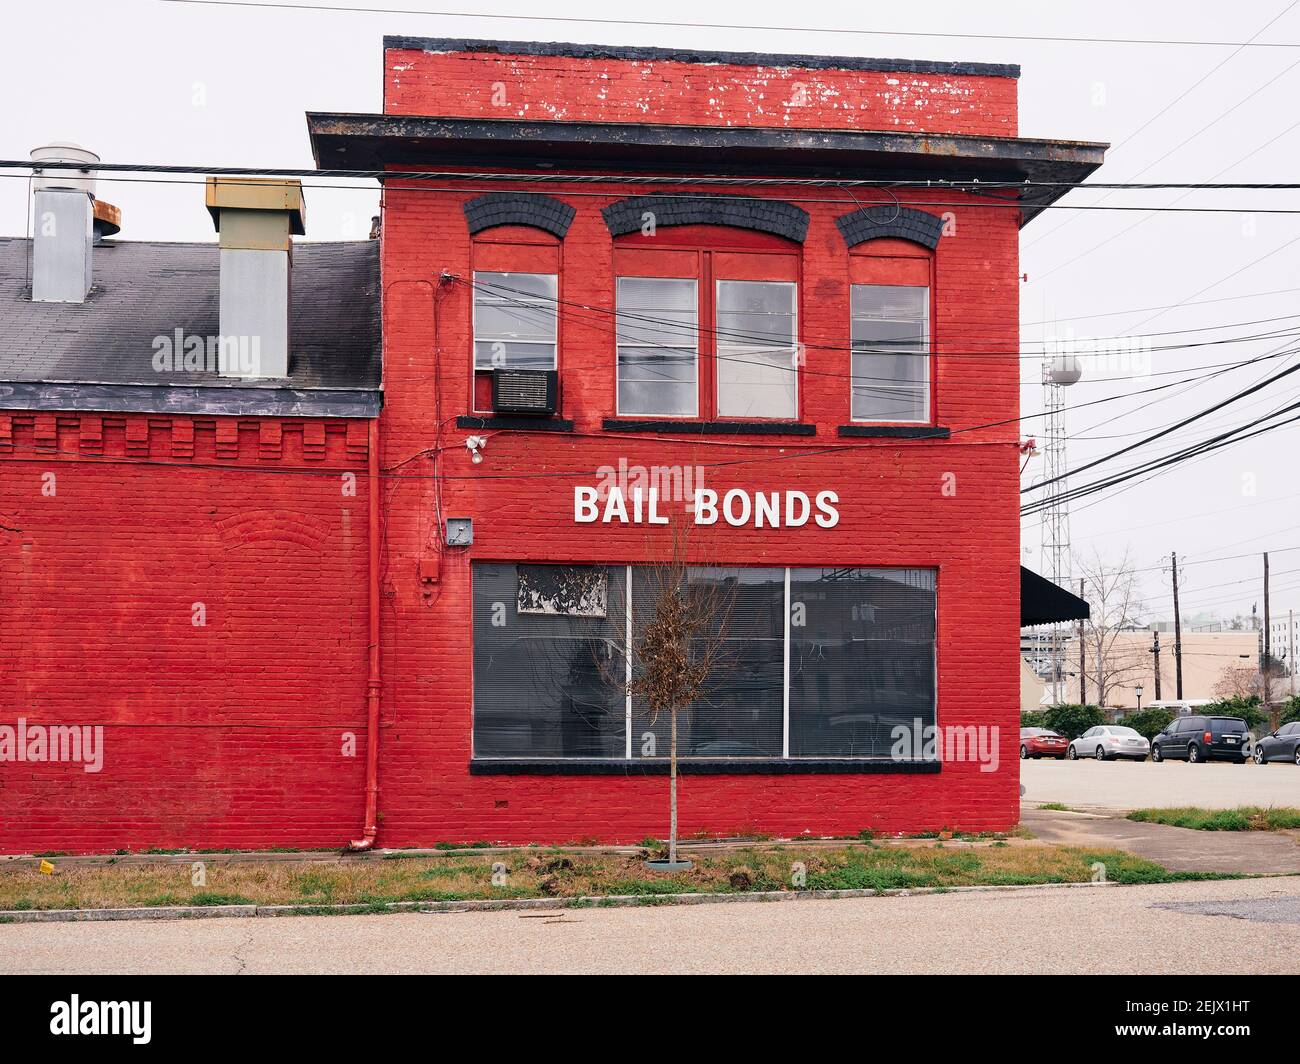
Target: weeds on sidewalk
column 555, row 873
column 1243, row 818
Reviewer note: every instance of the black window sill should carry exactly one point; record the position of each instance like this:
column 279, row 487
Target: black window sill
column 526, row 424
column 487, row 766
column 713, row 428
column 898, row 432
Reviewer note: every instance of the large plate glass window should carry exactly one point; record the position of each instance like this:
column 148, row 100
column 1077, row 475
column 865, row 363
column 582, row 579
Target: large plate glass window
column 514, row 320
column 891, row 352
column 740, row 712
column 756, row 344
column 658, row 346
column 542, row 637
column 858, row 646
column 861, row 659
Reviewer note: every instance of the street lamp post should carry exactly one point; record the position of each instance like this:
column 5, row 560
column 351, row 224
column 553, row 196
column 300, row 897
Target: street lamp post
column 1138, row 690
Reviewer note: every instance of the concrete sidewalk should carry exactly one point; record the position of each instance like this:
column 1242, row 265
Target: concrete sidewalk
column 1179, row 849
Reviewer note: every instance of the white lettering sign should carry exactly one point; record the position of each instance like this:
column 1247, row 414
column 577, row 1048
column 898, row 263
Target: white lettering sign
column 736, row 507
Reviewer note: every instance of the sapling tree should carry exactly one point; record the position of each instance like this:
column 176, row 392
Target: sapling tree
column 677, row 649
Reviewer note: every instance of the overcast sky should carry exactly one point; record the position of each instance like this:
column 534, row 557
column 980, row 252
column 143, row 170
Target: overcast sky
column 202, row 85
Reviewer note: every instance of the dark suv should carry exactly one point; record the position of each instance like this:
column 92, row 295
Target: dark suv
column 1203, row 739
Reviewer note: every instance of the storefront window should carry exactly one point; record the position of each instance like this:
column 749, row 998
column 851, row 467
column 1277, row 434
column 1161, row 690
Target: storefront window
column 541, row 634
column 741, row 713
column 514, row 320
column 861, row 658
column 857, row 644
column 891, row 352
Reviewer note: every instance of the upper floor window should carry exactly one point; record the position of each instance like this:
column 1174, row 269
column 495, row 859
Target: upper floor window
column 891, row 352
column 658, row 346
column 514, row 320
column 711, row 334
column 756, row 349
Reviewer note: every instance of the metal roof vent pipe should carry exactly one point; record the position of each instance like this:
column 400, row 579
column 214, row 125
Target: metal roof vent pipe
column 256, row 219
column 64, row 229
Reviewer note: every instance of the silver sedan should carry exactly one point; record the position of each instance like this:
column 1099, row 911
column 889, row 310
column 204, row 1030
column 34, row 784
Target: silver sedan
column 1107, row 742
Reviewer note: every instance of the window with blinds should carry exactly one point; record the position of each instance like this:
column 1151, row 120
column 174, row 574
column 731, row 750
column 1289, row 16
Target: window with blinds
column 891, row 352
column 658, row 346
column 741, row 711
column 756, row 349
column 861, row 658
column 857, row 646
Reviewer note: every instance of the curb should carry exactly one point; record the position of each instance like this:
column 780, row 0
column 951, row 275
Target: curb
column 201, row 912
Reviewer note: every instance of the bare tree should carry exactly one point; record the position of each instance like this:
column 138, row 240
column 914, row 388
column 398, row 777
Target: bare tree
column 677, row 649
column 1237, row 681
column 1109, row 662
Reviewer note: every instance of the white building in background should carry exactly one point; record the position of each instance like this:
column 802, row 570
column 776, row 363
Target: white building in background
column 1284, row 641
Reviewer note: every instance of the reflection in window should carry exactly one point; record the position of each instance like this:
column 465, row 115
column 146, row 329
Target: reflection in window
column 539, row 689
column 741, row 712
column 891, row 352
column 548, row 648
column 861, row 661
column 514, row 320
column 658, row 353
column 756, row 349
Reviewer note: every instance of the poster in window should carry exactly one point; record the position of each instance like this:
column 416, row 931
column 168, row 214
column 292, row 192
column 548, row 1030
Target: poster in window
column 563, row 590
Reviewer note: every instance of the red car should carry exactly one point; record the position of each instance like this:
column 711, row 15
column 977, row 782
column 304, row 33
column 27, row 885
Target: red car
column 1041, row 742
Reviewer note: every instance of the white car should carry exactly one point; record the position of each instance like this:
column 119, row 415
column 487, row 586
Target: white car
column 1108, row 742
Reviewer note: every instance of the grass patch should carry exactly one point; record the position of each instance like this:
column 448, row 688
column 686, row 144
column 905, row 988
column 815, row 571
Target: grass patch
column 1056, row 807
column 369, row 885
column 1243, row 818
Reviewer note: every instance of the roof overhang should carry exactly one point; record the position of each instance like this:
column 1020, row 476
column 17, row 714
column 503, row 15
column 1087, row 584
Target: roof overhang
column 1043, row 602
column 375, row 142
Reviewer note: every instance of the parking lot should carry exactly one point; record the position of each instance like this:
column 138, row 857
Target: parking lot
column 1125, row 785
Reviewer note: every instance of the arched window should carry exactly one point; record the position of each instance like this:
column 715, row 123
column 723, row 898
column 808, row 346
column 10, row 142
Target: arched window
column 708, row 322
column 891, row 314
column 517, row 288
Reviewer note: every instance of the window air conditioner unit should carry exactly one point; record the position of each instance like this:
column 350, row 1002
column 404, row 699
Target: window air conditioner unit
column 525, row 391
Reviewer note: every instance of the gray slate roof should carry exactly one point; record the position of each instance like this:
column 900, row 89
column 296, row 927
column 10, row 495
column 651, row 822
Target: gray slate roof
column 99, row 354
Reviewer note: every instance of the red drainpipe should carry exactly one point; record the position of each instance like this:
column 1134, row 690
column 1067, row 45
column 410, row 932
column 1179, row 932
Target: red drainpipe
column 374, row 683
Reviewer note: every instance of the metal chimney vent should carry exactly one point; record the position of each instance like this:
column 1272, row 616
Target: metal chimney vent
column 63, row 223
column 525, row 391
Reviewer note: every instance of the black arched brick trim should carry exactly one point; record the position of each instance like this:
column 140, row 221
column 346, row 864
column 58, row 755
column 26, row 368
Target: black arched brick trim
column 519, row 208
column 886, row 220
column 764, row 215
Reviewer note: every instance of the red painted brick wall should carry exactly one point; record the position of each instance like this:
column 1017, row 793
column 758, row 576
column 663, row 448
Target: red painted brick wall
column 230, row 735
column 561, row 88
column 892, row 505
column 225, row 734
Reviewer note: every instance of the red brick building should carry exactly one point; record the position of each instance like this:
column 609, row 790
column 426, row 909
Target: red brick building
column 624, row 291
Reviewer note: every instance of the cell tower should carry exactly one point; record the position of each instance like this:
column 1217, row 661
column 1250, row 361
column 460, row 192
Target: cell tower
column 1059, row 372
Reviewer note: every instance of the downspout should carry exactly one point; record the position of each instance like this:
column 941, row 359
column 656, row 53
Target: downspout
column 375, row 680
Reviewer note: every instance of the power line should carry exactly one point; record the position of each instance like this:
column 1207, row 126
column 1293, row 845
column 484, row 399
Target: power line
column 964, row 185
column 1164, row 110
column 846, row 346
column 980, row 204
column 665, row 24
column 1226, row 439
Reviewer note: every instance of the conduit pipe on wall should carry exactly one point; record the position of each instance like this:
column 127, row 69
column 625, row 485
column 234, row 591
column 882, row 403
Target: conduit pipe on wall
column 375, row 677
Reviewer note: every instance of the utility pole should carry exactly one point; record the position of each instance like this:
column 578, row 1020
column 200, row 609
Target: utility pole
column 1268, row 645
column 1155, row 650
column 1178, row 633
column 1083, row 677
